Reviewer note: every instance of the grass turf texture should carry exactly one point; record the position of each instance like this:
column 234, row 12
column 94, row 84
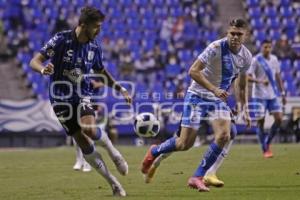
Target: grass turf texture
column 36, row 174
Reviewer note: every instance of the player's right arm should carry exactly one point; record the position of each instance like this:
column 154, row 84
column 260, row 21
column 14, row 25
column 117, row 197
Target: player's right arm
column 36, row 64
column 196, row 75
column 49, row 50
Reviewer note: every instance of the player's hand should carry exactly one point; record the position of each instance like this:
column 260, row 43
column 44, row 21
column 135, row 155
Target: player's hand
column 48, row 70
column 126, row 95
column 284, row 100
column 247, row 119
column 220, row 93
column 265, row 82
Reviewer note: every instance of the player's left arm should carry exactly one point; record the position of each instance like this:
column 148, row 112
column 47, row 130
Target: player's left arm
column 243, row 96
column 108, row 79
column 281, row 87
column 111, row 82
column 279, row 81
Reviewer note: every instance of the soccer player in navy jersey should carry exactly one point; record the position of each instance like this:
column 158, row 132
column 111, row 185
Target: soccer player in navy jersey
column 213, row 73
column 268, row 87
column 73, row 54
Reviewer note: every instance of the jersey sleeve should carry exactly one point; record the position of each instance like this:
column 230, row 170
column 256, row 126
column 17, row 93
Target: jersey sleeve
column 51, row 47
column 208, row 54
column 252, row 67
column 247, row 62
column 98, row 64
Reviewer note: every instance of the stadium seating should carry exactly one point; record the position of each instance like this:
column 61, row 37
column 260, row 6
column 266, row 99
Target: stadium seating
column 140, row 23
column 275, row 21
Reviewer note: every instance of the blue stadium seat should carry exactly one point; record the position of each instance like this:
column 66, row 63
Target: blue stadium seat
column 274, row 23
column 185, row 55
column 291, row 33
column 275, row 34
column 285, row 64
column 260, row 35
column 270, row 11
column 172, row 3
column 126, row 3
column 257, row 23
column 158, row 3
column 252, row 3
column 286, row 11
column 172, row 70
column 141, row 3
column 254, row 12
column 176, row 11
column 289, row 23
column 285, row 3
column 296, row 65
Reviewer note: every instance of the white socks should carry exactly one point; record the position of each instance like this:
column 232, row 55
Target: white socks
column 95, row 160
column 214, row 168
column 106, row 143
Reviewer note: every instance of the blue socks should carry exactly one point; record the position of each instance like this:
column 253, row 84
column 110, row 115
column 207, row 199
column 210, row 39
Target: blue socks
column 274, row 129
column 261, row 137
column 165, row 147
column 209, row 159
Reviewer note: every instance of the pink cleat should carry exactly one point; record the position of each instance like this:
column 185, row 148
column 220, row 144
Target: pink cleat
column 268, row 153
column 148, row 160
column 197, row 183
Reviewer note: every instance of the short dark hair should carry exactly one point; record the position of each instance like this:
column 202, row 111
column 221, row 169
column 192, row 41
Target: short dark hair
column 90, row 14
column 239, row 23
column 266, row 41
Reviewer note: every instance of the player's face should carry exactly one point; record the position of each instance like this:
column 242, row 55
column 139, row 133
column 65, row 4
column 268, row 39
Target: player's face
column 92, row 30
column 236, row 37
column 266, row 49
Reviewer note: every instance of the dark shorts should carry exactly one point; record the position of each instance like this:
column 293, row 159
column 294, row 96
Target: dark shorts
column 69, row 115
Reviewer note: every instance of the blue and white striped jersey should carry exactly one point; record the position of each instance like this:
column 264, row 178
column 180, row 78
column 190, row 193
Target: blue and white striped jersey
column 218, row 73
column 72, row 62
column 257, row 71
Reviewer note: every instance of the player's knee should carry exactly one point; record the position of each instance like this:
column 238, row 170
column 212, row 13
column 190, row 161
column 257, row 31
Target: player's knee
column 182, row 146
column 89, row 131
column 223, row 138
column 278, row 121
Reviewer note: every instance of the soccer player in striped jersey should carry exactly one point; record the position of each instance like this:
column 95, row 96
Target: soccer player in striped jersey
column 73, row 54
column 268, row 87
column 212, row 73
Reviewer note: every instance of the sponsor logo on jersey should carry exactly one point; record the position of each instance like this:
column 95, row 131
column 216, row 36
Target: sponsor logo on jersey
column 91, row 55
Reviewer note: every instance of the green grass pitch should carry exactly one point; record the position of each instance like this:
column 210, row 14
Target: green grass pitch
column 46, row 174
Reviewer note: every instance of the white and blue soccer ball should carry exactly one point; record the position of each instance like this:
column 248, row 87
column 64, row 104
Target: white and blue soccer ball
column 146, row 125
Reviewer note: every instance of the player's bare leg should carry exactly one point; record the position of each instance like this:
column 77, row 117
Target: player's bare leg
column 210, row 177
column 93, row 157
column 114, row 154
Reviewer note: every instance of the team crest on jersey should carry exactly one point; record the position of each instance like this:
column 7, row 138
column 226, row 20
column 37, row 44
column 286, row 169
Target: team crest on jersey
column 50, row 52
column 74, row 75
column 91, row 55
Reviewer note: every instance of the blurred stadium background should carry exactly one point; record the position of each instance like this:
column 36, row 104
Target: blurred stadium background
column 148, row 42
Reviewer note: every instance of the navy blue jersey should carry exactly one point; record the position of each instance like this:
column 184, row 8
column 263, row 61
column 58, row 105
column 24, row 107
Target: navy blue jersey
column 72, row 62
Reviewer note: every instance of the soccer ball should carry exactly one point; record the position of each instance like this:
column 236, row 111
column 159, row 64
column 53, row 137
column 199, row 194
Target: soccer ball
column 146, row 125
